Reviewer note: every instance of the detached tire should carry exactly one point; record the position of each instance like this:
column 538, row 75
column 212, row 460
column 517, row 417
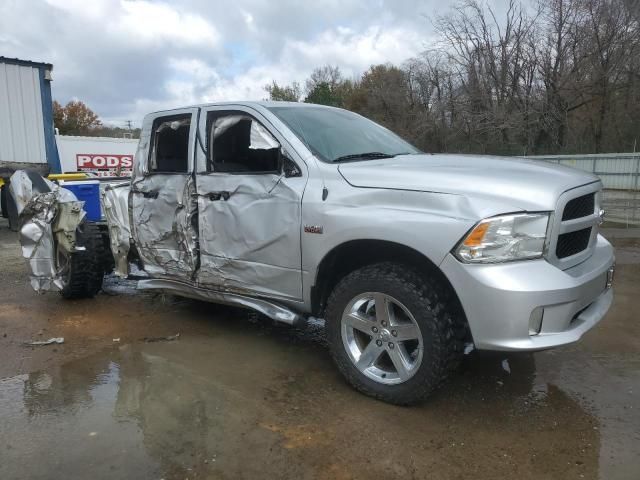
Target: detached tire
column 82, row 271
column 394, row 334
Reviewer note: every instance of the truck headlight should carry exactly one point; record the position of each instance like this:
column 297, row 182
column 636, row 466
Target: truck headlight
column 505, row 238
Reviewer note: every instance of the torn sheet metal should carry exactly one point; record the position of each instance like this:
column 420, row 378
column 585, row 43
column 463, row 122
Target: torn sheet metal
column 259, row 137
column 272, row 310
column 164, row 220
column 48, row 215
column 115, row 205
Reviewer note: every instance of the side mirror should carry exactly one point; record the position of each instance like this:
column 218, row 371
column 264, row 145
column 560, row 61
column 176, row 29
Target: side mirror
column 288, row 167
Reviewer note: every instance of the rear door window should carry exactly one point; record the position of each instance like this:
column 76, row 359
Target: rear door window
column 170, row 144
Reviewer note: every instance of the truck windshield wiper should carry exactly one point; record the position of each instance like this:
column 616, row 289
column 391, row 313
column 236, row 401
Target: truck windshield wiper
column 363, row 156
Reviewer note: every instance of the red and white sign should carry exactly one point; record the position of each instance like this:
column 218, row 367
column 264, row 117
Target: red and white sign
column 106, row 164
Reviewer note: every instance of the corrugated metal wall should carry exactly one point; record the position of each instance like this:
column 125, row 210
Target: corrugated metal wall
column 620, row 174
column 618, row 171
column 21, row 124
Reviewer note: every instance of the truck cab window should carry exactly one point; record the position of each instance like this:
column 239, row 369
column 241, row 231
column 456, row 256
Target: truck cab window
column 170, row 144
column 238, row 143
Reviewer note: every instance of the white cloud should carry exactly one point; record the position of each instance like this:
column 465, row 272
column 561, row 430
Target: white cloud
column 141, row 21
column 150, row 22
column 125, row 58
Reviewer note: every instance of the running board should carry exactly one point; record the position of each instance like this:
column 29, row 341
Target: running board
column 272, row 310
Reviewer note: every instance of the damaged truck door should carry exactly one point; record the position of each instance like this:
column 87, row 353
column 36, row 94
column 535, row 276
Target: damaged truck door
column 249, row 212
column 164, row 212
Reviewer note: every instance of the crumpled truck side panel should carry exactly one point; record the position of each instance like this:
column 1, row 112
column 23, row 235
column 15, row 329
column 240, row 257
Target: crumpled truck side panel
column 47, row 220
column 251, row 241
column 164, row 225
column 115, row 204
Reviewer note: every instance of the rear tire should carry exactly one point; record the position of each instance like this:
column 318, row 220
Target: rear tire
column 401, row 365
column 83, row 270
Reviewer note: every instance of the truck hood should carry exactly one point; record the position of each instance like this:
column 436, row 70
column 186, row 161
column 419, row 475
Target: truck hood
column 518, row 183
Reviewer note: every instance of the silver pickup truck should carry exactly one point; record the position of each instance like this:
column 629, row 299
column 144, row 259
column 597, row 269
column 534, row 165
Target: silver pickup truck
column 300, row 211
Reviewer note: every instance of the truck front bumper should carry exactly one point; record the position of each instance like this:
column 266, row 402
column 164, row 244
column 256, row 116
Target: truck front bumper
column 505, row 302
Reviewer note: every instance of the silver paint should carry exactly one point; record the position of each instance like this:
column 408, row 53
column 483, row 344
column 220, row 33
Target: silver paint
column 162, row 207
column 44, row 220
column 251, row 241
column 115, row 206
column 251, row 244
column 264, row 306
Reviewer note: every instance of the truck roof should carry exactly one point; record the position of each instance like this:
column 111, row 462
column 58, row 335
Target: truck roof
column 246, row 103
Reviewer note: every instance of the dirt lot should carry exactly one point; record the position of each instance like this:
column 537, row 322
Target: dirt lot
column 236, row 398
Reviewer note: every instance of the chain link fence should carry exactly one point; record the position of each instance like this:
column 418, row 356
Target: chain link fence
column 620, row 174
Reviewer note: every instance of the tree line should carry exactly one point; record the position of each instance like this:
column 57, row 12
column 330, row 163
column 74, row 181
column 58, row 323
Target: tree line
column 76, row 118
column 552, row 77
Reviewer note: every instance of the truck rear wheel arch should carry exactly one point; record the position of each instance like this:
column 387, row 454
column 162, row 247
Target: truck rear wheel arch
column 354, row 254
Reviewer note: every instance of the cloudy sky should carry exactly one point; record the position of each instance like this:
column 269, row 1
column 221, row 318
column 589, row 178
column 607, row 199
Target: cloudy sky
column 125, row 58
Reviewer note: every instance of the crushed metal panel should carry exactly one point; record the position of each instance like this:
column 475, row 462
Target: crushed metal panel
column 236, row 275
column 272, row 310
column 252, row 239
column 70, row 215
column 163, row 211
column 45, row 218
column 115, row 204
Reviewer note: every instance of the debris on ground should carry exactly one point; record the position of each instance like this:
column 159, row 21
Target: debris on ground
column 505, row 366
column 116, row 340
column 51, row 341
column 170, row 338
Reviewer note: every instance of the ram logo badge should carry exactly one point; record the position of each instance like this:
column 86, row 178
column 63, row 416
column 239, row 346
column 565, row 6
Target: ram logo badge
column 313, row 229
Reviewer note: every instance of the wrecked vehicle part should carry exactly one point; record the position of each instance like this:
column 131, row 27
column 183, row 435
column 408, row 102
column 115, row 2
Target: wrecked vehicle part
column 272, row 310
column 162, row 211
column 51, row 341
column 69, row 216
column 249, row 220
column 227, row 221
column 48, row 217
column 115, row 204
column 162, row 207
column 260, row 244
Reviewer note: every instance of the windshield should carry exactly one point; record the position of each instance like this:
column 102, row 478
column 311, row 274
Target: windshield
column 339, row 135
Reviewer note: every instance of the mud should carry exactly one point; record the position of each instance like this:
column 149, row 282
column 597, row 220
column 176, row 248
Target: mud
column 238, row 397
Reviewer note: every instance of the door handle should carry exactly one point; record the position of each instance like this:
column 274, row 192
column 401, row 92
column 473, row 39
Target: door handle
column 147, row 194
column 215, row 196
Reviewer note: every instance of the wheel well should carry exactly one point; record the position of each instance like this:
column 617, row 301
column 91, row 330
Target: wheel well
column 355, row 254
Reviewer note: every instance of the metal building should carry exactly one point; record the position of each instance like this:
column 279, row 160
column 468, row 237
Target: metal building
column 26, row 117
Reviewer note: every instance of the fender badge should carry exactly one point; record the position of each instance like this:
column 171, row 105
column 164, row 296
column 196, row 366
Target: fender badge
column 313, row 229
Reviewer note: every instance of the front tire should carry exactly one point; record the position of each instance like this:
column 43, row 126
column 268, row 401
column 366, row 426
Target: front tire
column 393, row 333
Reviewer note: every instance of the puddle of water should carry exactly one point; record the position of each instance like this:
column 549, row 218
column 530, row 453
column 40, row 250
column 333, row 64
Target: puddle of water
column 260, row 406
